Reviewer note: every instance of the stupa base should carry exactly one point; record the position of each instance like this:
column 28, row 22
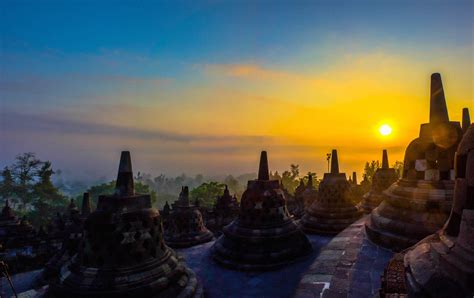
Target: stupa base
column 329, row 221
column 189, row 240
column 262, row 249
column 398, row 229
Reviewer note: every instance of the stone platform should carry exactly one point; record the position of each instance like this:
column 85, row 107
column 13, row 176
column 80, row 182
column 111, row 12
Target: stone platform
column 346, row 265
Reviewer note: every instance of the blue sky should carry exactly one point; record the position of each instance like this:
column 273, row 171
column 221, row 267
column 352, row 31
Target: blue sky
column 67, row 66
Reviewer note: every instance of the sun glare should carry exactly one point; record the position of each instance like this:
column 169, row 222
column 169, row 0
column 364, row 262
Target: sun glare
column 385, row 130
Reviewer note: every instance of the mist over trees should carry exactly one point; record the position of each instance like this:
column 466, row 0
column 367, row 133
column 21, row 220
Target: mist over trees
column 28, row 185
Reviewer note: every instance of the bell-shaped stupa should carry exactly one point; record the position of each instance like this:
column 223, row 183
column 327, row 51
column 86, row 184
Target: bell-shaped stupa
column 309, row 194
column 442, row 265
column 185, row 226
column 334, row 208
column 419, row 203
column 264, row 236
column 226, row 209
column 123, row 253
column 383, row 178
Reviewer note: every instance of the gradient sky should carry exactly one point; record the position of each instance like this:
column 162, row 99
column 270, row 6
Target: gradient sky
column 202, row 88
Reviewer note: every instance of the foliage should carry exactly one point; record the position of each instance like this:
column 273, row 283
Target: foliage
column 27, row 182
column 398, row 166
column 109, row 188
column 370, row 169
column 291, row 179
column 207, row 193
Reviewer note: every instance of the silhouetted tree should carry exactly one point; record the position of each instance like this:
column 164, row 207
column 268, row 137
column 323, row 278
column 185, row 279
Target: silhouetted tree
column 207, row 193
column 371, row 168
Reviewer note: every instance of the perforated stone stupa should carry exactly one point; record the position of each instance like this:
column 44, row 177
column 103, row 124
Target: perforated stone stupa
column 334, row 208
column 14, row 232
column 123, row 253
column 264, row 236
column 442, row 265
column 419, row 203
column 383, row 178
column 185, row 224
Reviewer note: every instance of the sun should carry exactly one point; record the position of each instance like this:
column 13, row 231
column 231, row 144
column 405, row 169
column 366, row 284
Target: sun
column 385, row 130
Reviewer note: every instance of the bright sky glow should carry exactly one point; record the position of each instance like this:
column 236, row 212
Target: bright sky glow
column 202, row 87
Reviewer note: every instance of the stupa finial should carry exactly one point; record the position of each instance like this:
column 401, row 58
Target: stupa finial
column 438, row 108
column 263, row 167
column 384, row 159
column 466, row 119
column 334, row 162
column 86, row 204
column 124, row 185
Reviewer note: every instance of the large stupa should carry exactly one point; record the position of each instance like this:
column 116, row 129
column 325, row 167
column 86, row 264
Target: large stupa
column 123, row 253
column 419, row 203
column 264, row 236
column 442, row 265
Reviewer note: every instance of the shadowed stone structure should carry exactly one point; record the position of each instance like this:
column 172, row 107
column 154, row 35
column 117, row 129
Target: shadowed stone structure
column 466, row 120
column 334, row 209
column 15, row 233
column 226, row 209
column 86, row 205
column 123, row 253
column 295, row 203
column 185, row 224
column 264, row 236
column 69, row 233
column 442, row 265
column 310, row 194
column 419, row 203
column 383, row 178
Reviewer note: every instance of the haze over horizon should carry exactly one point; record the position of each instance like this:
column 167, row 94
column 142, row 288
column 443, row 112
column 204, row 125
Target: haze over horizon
column 203, row 88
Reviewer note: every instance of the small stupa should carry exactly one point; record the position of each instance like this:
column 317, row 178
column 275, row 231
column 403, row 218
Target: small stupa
column 226, row 209
column 185, row 226
column 309, row 194
column 334, row 208
column 419, row 203
column 383, row 178
column 295, row 202
column 264, row 236
column 15, row 233
column 442, row 265
column 123, row 253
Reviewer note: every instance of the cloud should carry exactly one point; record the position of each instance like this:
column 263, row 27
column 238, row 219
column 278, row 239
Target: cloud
column 13, row 121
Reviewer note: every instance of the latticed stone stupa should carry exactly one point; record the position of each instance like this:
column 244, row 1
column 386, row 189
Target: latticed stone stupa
column 185, row 225
column 383, row 178
column 14, row 232
column 123, row 253
column 419, row 203
column 334, row 208
column 264, row 236
column 442, row 265
column 225, row 210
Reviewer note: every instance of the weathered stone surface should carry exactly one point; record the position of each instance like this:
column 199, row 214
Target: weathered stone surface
column 185, row 225
column 348, row 266
column 442, row 265
column 225, row 210
column 419, row 203
column 123, row 253
column 264, row 236
column 334, row 208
